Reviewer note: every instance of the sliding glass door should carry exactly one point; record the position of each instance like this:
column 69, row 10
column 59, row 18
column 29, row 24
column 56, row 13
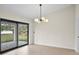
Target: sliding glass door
column 8, row 35
column 13, row 34
column 22, row 34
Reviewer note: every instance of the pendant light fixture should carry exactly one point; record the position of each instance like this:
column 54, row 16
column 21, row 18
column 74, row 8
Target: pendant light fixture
column 41, row 19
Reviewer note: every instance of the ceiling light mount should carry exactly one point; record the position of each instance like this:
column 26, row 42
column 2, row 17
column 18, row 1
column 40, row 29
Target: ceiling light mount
column 40, row 4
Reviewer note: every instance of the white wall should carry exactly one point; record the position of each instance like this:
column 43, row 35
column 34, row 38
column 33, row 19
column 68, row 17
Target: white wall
column 59, row 31
column 77, row 28
column 11, row 16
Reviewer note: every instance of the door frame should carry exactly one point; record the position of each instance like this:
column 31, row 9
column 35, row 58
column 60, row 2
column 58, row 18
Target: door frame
column 16, row 22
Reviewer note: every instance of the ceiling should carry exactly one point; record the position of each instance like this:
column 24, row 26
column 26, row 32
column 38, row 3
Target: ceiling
column 31, row 11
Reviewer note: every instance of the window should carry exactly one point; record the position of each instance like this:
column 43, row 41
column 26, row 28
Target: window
column 13, row 34
column 22, row 34
column 8, row 35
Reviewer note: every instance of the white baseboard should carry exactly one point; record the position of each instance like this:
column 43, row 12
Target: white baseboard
column 53, row 46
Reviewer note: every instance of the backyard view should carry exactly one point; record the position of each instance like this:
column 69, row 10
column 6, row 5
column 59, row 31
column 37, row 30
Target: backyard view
column 22, row 32
column 8, row 39
column 7, row 33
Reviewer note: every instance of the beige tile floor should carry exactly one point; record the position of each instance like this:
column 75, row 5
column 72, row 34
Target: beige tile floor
column 41, row 50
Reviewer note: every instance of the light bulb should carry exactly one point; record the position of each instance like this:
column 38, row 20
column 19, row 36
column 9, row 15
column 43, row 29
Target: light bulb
column 36, row 20
column 43, row 18
column 46, row 20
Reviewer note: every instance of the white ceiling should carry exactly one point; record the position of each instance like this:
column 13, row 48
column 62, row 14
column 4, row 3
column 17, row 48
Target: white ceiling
column 31, row 11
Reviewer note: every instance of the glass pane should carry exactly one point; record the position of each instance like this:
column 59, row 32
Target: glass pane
column 8, row 35
column 22, row 34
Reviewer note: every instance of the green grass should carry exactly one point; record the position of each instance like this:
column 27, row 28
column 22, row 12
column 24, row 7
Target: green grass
column 7, row 38
column 23, row 37
column 10, row 37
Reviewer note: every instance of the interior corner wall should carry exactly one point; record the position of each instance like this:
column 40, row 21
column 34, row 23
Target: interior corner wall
column 77, row 28
column 59, row 31
column 15, row 17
